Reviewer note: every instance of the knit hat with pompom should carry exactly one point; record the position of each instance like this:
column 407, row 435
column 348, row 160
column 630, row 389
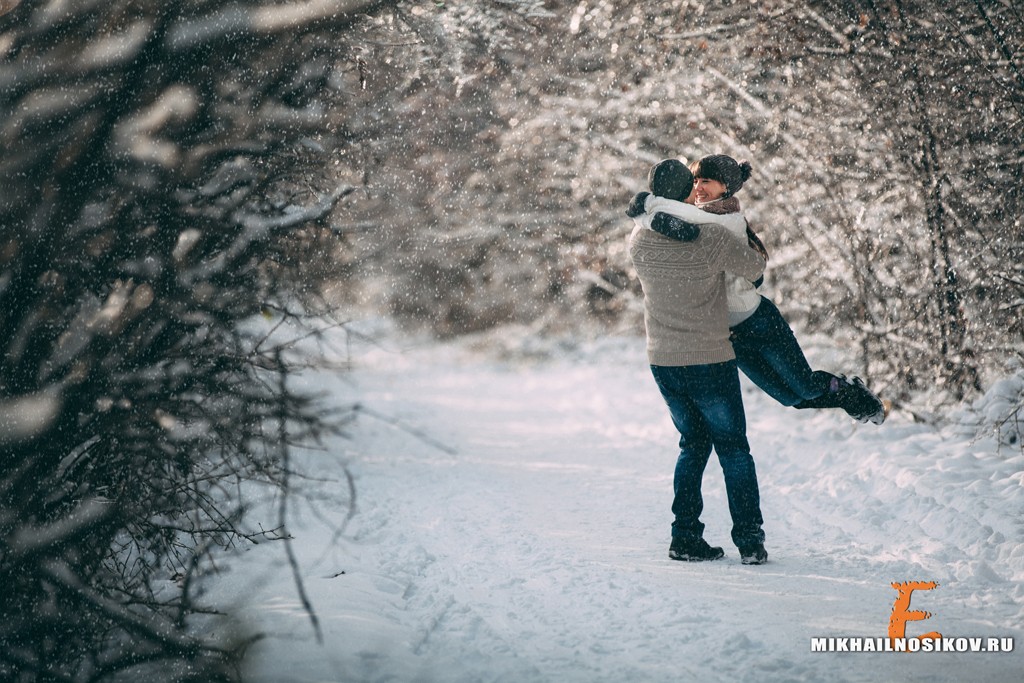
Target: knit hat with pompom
column 724, row 169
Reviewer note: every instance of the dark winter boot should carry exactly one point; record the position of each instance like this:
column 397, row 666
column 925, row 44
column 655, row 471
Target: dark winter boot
column 753, row 554
column 694, row 551
column 853, row 397
column 861, row 404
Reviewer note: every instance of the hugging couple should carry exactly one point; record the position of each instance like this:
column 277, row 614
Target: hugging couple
column 700, row 264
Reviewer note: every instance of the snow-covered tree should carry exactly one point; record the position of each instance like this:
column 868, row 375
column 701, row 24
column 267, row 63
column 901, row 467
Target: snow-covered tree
column 886, row 186
column 913, row 167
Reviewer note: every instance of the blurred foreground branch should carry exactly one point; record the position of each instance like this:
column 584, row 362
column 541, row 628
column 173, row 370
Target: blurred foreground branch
column 155, row 202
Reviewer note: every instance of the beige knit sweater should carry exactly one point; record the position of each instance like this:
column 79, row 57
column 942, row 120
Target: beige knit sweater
column 684, row 292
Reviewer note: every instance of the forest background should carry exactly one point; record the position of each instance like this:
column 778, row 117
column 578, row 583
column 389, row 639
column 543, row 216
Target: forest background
column 174, row 171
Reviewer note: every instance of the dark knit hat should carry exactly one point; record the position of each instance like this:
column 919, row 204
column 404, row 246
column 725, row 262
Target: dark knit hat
column 724, row 169
column 670, row 178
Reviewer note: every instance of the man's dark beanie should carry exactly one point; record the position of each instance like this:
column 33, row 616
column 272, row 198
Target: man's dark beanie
column 670, row 178
column 724, row 169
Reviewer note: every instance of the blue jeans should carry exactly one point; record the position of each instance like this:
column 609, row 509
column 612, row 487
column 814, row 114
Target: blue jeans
column 707, row 409
column 768, row 353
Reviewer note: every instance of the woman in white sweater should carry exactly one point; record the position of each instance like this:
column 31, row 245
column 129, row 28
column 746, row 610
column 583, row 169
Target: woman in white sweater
column 766, row 348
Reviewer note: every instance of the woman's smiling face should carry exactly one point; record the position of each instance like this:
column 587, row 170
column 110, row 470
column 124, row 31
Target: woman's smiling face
column 707, row 190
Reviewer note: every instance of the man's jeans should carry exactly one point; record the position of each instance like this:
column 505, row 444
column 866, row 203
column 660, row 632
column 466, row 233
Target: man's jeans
column 707, row 409
column 768, row 353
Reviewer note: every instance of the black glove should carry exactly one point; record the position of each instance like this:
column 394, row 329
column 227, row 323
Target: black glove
column 636, row 207
column 675, row 228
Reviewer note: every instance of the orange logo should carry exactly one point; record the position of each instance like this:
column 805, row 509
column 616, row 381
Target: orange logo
column 901, row 612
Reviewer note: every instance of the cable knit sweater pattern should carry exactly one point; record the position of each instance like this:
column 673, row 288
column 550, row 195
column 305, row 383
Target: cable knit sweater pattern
column 741, row 296
column 684, row 293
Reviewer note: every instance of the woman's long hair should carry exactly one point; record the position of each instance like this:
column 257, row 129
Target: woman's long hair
column 755, row 242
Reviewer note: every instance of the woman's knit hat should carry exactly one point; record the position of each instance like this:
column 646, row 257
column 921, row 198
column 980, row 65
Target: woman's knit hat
column 724, row 169
column 670, row 178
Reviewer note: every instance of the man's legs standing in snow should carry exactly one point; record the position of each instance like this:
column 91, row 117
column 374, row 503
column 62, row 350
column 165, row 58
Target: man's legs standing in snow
column 707, row 409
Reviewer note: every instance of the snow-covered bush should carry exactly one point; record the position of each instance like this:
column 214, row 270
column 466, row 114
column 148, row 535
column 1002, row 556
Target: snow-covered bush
column 156, row 195
column 999, row 412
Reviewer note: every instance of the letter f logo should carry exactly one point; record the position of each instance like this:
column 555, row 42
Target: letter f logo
column 901, row 612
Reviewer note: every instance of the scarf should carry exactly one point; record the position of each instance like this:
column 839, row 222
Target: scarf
column 722, row 205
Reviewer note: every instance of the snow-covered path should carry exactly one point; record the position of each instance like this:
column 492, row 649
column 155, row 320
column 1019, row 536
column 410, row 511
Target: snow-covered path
column 512, row 525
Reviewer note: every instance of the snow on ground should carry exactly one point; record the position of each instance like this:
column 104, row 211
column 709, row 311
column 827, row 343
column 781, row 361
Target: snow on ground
column 512, row 524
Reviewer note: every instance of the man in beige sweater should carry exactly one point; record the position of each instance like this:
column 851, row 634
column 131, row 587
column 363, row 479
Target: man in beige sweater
column 694, row 367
